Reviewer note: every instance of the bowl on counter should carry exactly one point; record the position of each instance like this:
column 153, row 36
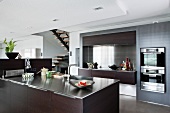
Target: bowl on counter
column 113, row 67
column 81, row 83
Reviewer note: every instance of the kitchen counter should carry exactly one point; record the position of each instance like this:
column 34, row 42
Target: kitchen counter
column 57, row 95
column 125, row 77
column 61, row 85
column 108, row 69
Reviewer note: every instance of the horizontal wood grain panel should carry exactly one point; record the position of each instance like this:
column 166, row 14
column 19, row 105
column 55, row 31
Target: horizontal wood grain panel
column 113, row 38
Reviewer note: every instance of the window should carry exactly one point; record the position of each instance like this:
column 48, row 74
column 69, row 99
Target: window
column 103, row 55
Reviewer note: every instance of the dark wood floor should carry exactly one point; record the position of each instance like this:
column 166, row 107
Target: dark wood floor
column 129, row 104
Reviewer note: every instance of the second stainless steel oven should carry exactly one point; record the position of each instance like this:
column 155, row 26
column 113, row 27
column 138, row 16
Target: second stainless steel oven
column 153, row 75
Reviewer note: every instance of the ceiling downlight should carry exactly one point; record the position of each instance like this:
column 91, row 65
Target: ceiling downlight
column 55, row 20
column 98, row 8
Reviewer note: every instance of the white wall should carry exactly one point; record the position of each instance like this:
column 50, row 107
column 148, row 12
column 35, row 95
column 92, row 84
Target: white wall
column 51, row 47
column 1, row 50
column 27, row 42
column 74, row 43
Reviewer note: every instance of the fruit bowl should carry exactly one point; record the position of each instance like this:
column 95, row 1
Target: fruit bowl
column 81, row 83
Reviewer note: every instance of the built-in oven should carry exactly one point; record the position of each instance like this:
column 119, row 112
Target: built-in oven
column 153, row 57
column 152, row 72
column 153, row 75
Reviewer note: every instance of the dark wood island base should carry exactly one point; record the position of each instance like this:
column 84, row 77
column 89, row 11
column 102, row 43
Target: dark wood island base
column 58, row 96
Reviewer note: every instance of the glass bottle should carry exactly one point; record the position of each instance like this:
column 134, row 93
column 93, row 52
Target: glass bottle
column 127, row 63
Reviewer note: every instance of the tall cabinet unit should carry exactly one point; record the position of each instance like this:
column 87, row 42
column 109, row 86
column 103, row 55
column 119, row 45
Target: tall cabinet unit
column 152, row 71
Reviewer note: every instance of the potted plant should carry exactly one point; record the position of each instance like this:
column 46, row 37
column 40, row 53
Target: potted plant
column 9, row 49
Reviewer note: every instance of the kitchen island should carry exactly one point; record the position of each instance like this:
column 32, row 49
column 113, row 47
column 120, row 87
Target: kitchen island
column 57, row 95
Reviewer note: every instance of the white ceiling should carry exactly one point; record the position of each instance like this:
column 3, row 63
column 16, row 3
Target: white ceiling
column 19, row 18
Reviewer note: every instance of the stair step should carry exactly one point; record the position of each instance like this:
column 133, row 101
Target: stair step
column 61, row 59
column 55, row 62
column 66, row 40
column 63, row 45
column 57, row 58
column 64, row 36
column 60, row 31
column 61, row 55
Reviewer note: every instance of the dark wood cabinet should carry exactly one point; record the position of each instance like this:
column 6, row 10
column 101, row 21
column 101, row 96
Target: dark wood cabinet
column 15, row 64
column 11, row 64
column 4, row 96
column 103, row 101
column 125, row 77
column 38, row 100
column 63, row 104
column 108, row 98
column 85, row 72
column 112, row 38
column 18, row 97
column 103, row 73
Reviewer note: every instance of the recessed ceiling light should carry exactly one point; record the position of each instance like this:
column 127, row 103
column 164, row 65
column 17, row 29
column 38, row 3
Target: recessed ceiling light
column 11, row 32
column 55, row 20
column 155, row 22
column 29, row 27
column 98, row 8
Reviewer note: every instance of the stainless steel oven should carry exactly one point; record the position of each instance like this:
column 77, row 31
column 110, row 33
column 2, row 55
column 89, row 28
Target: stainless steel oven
column 152, row 73
column 153, row 57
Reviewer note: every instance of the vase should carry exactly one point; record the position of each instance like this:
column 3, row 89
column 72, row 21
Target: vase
column 12, row 55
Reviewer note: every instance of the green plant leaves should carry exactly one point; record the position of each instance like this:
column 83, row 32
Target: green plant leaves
column 7, row 49
column 9, row 45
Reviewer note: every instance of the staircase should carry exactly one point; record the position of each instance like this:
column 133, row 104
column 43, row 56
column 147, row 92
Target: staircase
column 63, row 37
column 61, row 61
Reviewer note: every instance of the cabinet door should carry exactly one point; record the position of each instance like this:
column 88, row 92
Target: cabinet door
column 64, row 104
column 4, row 96
column 84, row 72
column 103, row 73
column 38, row 100
column 18, row 98
column 126, row 77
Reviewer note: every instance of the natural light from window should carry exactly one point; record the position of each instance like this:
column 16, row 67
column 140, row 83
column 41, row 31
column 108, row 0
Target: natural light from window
column 103, row 55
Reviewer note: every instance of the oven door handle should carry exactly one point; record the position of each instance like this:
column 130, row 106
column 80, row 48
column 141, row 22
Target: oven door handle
column 152, row 75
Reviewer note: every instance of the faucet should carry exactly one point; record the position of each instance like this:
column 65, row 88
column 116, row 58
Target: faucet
column 27, row 64
column 69, row 67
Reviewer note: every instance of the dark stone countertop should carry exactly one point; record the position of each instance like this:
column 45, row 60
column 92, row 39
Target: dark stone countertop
column 108, row 69
column 61, row 85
